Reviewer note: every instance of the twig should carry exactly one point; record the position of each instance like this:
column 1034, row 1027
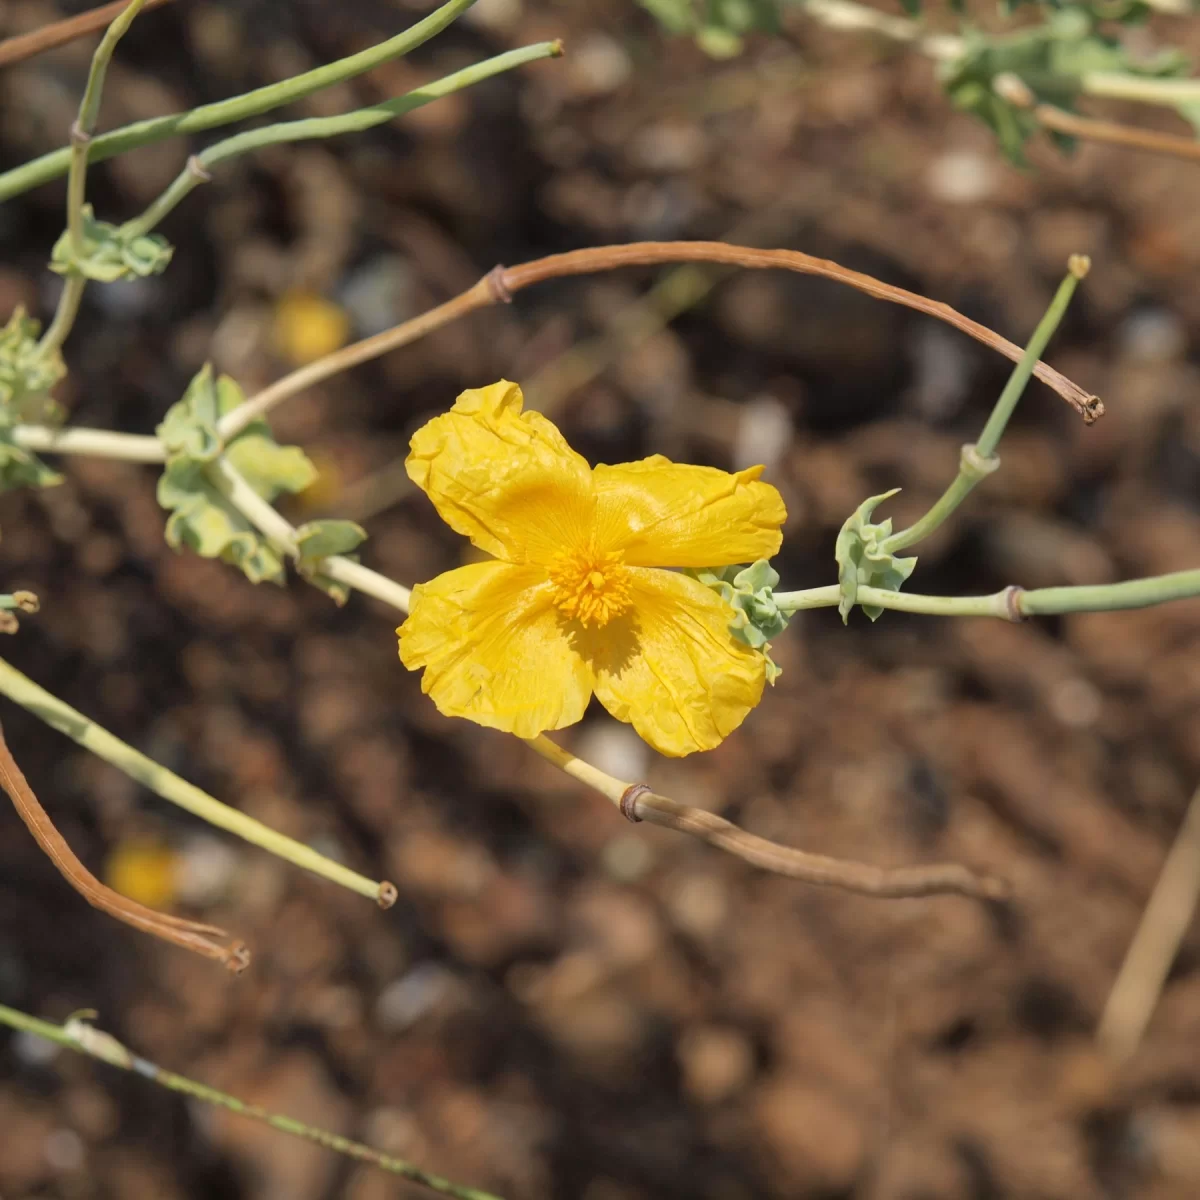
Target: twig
column 61, row 716
column 27, row 45
column 206, row 940
column 197, row 170
column 96, row 443
column 499, row 286
column 978, row 460
column 1155, row 944
column 849, row 16
column 1115, row 134
column 236, row 108
column 886, row 883
column 78, row 1035
column 1013, row 603
column 81, row 138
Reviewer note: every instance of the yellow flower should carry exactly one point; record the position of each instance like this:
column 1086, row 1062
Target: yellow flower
column 573, row 601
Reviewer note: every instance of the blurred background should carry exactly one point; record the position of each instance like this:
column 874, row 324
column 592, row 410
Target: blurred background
column 560, row 1004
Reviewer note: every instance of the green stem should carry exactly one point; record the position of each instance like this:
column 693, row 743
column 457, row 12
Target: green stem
column 81, row 138
column 84, row 1038
column 1013, row 602
column 97, row 443
column 65, row 313
column 236, row 108
column 1105, row 597
column 1078, row 266
column 197, row 170
column 979, row 460
column 169, row 786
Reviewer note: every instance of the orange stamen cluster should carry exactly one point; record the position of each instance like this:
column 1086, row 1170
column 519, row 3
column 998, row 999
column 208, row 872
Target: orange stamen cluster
column 591, row 586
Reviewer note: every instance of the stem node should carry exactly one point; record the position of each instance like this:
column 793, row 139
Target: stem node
column 629, row 798
column 1012, row 603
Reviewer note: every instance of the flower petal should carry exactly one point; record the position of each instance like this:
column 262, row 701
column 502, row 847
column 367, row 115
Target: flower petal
column 502, row 477
column 494, row 649
column 665, row 514
column 678, row 675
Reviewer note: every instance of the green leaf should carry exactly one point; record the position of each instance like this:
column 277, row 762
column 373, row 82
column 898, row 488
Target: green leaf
column 19, row 468
column 749, row 591
column 26, row 375
column 202, row 519
column 718, row 26
column 1051, row 60
column 110, row 253
column 863, row 563
column 319, row 540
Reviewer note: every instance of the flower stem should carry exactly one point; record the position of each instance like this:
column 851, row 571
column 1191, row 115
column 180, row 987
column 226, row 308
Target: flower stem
column 236, row 108
column 84, row 1038
column 81, row 138
column 1013, row 603
column 979, row 460
column 97, row 443
column 197, row 170
column 169, row 786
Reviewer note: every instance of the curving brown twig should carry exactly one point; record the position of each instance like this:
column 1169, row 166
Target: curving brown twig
column 207, row 940
column 27, row 45
column 641, row 804
column 1016, row 91
column 500, row 285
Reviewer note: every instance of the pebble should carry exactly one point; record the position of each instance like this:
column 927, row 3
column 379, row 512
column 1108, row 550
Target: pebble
column 64, row 1150
column 597, row 65
column 1152, row 335
column 405, row 1001
column 715, row 1061
column 961, row 177
column 615, row 749
column 764, row 434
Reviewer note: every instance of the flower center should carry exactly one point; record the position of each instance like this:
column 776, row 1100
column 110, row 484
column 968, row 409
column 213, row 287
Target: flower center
column 591, row 586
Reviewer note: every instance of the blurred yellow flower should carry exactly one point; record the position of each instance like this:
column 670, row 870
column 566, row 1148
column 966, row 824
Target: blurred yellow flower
column 308, row 327
column 144, row 870
column 573, row 601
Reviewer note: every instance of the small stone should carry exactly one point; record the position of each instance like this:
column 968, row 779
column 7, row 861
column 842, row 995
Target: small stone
column 403, row 1003
column 1152, row 335
column 715, row 1061
column 615, row 749
column 961, row 177
column 64, row 1150
column 764, row 434
column 668, row 147
column 597, row 65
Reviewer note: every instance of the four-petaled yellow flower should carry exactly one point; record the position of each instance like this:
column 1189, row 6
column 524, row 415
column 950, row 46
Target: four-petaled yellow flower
column 574, row 601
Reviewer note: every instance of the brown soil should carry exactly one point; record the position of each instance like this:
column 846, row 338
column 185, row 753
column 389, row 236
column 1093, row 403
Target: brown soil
column 562, row 1005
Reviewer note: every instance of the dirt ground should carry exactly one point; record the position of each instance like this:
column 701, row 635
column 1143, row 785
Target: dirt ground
column 563, row 1005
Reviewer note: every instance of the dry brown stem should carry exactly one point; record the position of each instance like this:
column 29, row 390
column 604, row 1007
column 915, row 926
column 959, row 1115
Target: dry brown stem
column 1050, row 117
column 884, row 882
column 1148, row 960
column 500, row 284
column 27, row 45
column 207, row 940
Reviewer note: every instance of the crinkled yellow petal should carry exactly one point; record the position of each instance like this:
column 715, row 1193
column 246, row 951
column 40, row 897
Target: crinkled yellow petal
column 502, row 477
column 494, row 649
column 672, row 669
column 665, row 514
